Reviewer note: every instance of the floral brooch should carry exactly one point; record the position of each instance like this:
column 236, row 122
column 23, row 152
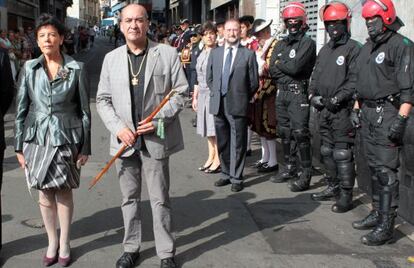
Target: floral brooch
column 63, row 73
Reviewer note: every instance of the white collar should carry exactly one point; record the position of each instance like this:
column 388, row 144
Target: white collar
column 235, row 46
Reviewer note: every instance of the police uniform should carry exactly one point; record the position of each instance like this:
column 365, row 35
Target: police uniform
column 334, row 79
column 291, row 66
column 385, row 80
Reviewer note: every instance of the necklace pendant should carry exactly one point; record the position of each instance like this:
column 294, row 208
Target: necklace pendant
column 134, row 81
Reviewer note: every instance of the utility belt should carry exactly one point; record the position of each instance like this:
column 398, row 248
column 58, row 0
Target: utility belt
column 297, row 88
column 393, row 99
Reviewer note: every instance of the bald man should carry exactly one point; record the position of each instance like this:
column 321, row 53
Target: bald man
column 134, row 80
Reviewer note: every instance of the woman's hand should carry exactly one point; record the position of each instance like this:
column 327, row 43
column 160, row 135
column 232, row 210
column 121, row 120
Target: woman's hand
column 22, row 161
column 194, row 104
column 82, row 159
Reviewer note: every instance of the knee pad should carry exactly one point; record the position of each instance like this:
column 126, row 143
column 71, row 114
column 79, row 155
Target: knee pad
column 284, row 133
column 326, row 151
column 301, row 135
column 342, row 155
column 386, row 176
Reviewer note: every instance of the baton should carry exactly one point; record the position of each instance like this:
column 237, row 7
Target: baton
column 120, row 152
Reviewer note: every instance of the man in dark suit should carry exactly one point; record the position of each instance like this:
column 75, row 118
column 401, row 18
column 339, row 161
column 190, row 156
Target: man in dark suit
column 184, row 37
column 6, row 97
column 232, row 76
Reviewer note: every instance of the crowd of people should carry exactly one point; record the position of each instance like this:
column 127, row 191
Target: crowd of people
column 241, row 79
column 352, row 87
column 21, row 46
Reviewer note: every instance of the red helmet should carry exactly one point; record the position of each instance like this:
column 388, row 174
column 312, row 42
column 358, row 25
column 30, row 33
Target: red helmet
column 383, row 8
column 336, row 11
column 294, row 10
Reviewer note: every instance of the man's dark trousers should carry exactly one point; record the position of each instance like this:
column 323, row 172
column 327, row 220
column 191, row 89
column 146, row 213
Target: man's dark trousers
column 231, row 133
column 292, row 112
column 1, row 183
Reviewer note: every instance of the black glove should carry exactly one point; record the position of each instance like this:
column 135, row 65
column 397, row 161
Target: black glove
column 355, row 118
column 316, row 101
column 397, row 129
column 331, row 104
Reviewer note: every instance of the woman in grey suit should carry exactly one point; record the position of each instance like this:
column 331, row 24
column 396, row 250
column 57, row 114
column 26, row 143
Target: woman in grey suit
column 201, row 100
column 52, row 135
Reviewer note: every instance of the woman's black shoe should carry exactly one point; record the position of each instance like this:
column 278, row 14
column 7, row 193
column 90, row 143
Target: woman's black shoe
column 213, row 171
column 258, row 164
column 266, row 168
column 202, row 168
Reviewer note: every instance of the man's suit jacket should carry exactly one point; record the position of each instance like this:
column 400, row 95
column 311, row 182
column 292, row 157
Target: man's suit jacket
column 6, row 91
column 163, row 73
column 243, row 82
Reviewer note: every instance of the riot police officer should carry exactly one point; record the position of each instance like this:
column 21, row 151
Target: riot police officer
column 290, row 67
column 384, row 95
column 331, row 90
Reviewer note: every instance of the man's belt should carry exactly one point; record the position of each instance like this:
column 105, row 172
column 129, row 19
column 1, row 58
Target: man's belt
column 297, row 88
column 392, row 99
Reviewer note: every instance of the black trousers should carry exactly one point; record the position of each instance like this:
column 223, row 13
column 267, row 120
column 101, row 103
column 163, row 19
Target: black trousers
column 292, row 113
column 231, row 133
column 1, row 183
column 336, row 128
column 337, row 137
column 382, row 155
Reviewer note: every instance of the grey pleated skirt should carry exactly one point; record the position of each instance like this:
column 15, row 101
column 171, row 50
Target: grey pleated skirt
column 205, row 120
column 49, row 167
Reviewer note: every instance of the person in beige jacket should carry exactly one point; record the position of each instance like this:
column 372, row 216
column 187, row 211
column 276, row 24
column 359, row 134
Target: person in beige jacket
column 134, row 80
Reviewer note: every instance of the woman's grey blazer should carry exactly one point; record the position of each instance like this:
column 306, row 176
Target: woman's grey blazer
column 58, row 108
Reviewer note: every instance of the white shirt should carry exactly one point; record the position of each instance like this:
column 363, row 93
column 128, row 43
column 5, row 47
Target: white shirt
column 233, row 51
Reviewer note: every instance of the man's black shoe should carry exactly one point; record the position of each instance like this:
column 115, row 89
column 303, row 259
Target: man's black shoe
column 168, row 263
column 236, row 187
column 128, row 260
column 222, row 182
column 368, row 222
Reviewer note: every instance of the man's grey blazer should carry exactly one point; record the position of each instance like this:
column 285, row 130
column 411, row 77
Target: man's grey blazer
column 243, row 82
column 162, row 74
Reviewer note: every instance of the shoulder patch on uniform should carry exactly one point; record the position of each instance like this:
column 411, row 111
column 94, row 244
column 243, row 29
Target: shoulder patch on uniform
column 407, row 42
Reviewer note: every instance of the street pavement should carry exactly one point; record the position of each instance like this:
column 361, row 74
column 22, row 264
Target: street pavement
column 263, row 226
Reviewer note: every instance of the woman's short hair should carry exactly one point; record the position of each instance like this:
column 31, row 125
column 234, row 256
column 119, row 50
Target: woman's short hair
column 208, row 26
column 47, row 19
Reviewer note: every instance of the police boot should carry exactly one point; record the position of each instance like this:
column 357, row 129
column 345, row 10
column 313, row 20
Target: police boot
column 303, row 142
column 384, row 231
column 372, row 219
column 289, row 171
column 302, row 183
column 344, row 202
column 346, row 175
column 368, row 222
column 333, row 183
column 330, row 192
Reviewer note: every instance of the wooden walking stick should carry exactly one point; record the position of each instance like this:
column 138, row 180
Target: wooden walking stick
column 119, row 153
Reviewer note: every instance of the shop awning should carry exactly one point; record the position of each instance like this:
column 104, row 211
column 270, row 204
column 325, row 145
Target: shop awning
column 216, row 3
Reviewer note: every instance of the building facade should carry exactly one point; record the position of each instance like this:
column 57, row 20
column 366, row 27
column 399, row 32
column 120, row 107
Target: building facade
column 17, row 14
column 83, row 13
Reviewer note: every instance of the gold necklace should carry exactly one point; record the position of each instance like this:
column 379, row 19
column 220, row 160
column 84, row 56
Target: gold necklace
column 134, row 80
